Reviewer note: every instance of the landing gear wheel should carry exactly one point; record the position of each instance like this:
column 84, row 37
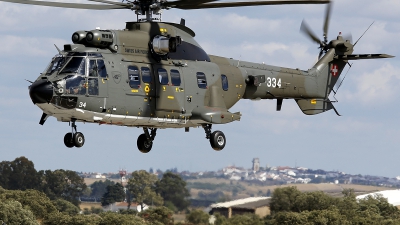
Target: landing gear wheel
column 217, row 140
column 68, row 140
column 79, row 139
column 143, row 144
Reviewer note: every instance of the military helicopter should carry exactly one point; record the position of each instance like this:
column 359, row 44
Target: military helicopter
column 155, row 75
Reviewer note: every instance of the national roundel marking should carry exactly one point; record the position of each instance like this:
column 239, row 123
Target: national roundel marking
column 334, row 70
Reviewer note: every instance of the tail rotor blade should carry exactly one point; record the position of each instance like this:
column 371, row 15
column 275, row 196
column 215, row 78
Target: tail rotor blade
column 304, row 28
column 348, row 37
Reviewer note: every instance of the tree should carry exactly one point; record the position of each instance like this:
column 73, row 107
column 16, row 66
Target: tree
column 65, row 207
column 36, row 201
column 172, row 188
column 12, row 212
column 19, row 174
column 114, row 193
column 141, row 186
column 158, row 215
column 197, row 216
column 283, row 199
column 245, row 219
column 99, row 188
column 110, row 218
column 65, row 184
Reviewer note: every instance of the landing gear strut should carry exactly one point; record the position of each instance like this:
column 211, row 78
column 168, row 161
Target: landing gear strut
column 217, row 138
column 74, row 138
column 145, row 140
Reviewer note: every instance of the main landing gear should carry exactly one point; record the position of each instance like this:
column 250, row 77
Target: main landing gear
column 145, row 140
column 217, row 138
column 74, row 138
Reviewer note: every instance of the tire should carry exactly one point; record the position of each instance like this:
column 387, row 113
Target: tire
column 143, row 144
column 79, row 139
column 217, row 140
column 69, row 143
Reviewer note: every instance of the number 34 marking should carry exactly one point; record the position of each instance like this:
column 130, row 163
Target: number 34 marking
column 273, row 82
column 82, row 105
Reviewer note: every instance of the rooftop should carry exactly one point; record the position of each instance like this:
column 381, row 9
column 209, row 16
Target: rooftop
column 246, row 203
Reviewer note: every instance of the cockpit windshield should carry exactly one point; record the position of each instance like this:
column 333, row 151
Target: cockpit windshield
column 75, row 65
column 56, row 64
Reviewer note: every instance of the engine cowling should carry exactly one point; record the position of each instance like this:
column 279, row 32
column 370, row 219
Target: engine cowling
column 163, row 45
column 99, row 38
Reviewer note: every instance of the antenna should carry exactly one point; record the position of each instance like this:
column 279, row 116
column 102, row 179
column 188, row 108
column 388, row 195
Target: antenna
column 363, row 33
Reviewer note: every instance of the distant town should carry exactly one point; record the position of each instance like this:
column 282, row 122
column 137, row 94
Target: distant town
column 268, row 175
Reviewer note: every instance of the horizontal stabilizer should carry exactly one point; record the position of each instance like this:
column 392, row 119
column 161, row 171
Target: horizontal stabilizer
column 314, row 106
column 363, row 56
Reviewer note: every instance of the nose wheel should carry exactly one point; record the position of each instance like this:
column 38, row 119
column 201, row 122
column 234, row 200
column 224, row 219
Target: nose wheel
column 145, row 140
column 74, row 138
column 217, row 138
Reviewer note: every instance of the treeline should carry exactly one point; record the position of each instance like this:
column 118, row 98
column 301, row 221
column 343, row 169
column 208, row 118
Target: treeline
column 21, row 174
column 32, row 207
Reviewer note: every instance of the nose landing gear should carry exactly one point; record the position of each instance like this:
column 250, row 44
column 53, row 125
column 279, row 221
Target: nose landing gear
column 145, row 140
column 217, row 138
column 74, row 138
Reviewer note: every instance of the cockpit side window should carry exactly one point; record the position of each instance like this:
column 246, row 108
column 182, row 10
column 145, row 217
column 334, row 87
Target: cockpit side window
column 92, row 68
column 75, row 65
column 93, row 86
column 163, row 76
column 75, row 85
column 201, row 80
column 101, row 67
column 146, row 75
column 134, row 79
column 55, row 64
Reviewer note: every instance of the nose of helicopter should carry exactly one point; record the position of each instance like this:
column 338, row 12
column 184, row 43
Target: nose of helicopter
column 41, row 91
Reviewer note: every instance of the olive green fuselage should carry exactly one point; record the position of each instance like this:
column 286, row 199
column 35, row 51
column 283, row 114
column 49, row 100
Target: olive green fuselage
column 183, row 88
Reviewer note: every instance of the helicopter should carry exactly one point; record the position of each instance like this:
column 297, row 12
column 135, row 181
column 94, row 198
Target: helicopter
column 154, row 75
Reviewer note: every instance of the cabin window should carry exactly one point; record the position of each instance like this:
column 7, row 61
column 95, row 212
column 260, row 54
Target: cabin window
column 133, row 74
column 201, row 80
column 75, row 85
column 224, row 80
column 93, row 86
column 146, row 76
column 163, row 76
column 75, row 65
column 96, row 69
column 175, row 78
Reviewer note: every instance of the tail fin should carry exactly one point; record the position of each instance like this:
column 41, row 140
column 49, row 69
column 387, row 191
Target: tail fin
column 328, row 70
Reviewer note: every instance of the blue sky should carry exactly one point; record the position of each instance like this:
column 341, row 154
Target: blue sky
column 364, row 140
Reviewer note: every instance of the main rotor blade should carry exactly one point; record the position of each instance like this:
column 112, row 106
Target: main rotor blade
column 327, row 18
column 112, row 3
column 67, row 5
column 182, row 3
column 241, row 4
column 307, row 30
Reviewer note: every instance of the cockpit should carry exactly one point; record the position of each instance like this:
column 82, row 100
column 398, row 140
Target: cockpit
column 81, row 71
